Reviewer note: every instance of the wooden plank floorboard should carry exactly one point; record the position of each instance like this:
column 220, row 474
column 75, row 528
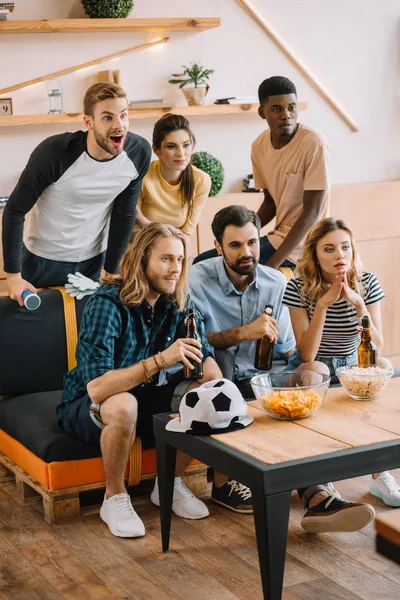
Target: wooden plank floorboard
column 171, row 569
column 344, row 564
column 322, row 588
column 95, row 546
column 209, row 559
column 20, row 593
column 355, row 545
column 217, row 561
column 342, row 569
column 233, row 533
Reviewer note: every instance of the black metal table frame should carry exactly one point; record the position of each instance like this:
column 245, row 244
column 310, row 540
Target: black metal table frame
column 271, row 486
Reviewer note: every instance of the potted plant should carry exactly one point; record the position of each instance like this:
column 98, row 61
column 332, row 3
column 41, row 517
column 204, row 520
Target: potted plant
column 211, row 165
column 107, row 9
column 198, row 76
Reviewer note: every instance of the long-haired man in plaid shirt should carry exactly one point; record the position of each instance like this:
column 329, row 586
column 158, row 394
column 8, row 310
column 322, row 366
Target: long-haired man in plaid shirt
column 132, row 329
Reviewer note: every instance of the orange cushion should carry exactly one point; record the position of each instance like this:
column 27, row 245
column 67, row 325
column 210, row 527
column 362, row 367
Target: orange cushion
column 60, row 475
column 69, row 473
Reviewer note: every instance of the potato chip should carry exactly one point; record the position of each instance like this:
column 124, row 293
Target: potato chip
column 291, row 404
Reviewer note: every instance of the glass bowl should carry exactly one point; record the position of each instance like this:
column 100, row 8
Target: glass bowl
column 364, row 383
column 290, row 395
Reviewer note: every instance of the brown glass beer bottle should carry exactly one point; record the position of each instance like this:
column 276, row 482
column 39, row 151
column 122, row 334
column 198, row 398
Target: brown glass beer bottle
column 197, row 372
column 366, row 350
column 265, row 348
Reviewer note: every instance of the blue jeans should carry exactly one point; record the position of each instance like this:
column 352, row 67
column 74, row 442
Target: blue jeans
column 332, row 362
column 266, row 251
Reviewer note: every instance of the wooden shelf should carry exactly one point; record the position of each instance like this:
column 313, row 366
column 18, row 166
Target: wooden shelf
column 142, row 113
column 111, row 25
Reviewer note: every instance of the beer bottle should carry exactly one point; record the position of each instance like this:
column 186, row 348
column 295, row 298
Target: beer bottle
column 265, row 348
column 366, row 350
column 197, row 372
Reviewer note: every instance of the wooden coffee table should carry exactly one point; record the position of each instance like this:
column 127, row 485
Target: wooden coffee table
column 345, row 438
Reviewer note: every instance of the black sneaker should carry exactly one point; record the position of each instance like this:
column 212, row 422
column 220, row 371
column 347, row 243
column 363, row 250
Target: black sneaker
column 233, row 495
column 335, row 514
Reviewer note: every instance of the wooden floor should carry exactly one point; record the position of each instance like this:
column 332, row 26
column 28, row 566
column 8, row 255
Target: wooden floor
column 212, row 559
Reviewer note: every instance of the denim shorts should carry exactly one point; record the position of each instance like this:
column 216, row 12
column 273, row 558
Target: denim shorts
column 81, row 418
column 332, row 362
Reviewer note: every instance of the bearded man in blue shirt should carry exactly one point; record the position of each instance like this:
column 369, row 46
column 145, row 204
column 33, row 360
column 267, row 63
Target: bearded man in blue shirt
column 231, row 292
column 133, row 329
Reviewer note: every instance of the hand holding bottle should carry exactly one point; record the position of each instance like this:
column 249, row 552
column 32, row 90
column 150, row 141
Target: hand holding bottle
column 265, row 345
column 182, row 350
column 264, row 325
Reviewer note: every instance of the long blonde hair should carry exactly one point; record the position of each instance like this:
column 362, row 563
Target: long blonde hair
column 314, row 284
column 133, row 282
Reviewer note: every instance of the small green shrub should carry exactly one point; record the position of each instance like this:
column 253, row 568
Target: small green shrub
column 107, row 9
column 211, row 165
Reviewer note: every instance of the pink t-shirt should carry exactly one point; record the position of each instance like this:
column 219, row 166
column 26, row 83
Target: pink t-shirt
column 303, row 164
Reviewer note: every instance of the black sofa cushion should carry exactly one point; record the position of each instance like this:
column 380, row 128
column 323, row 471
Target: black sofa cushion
column 31, row 420
column 33, row 355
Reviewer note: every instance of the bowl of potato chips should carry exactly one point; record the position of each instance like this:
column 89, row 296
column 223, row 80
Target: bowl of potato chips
column 290, row 395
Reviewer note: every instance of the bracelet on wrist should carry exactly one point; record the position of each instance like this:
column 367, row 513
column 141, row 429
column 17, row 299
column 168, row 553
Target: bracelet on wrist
column 156, row 362
column 163, row 360
column 147, row 376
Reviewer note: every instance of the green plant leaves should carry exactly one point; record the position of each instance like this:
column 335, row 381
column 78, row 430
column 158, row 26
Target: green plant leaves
column 107, row 9
column 211, row 165
column 195, row 74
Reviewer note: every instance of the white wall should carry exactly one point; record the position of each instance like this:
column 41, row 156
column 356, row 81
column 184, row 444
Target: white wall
column 350, row 45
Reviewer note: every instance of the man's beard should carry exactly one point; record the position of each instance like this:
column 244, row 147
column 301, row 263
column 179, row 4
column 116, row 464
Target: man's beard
column 104, row 143
column 242, row 270
column 155, row 284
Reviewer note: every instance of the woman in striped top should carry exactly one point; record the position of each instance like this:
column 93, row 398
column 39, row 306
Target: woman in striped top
column 327, row 298
column 173, row 191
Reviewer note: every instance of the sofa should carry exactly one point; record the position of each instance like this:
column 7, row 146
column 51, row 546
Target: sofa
column 38, row 347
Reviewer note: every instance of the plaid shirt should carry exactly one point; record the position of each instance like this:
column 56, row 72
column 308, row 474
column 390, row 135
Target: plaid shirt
column 114, row 336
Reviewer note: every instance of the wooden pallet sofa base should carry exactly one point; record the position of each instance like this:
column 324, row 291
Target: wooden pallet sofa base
column 64, row 504
column 45, row 463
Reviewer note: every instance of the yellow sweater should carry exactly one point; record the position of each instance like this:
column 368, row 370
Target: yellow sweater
column 161, row 202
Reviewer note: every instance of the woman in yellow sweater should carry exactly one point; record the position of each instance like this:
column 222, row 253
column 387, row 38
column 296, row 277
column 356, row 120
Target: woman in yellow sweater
column 173, row 191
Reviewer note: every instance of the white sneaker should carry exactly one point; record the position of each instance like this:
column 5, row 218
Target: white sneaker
column 386, row 488
column 120, row 517
column 184, row 503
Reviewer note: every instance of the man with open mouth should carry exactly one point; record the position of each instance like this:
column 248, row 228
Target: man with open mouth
column 82, row 189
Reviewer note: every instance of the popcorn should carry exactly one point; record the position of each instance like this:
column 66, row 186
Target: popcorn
column 364, row 382
column 291, row 404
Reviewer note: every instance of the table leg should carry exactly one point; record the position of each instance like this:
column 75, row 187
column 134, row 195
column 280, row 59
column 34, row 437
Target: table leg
column 271, row 518
column 166, row 462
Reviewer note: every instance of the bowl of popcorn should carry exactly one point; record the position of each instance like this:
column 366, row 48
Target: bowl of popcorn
column 364, row 383
column 290, row 395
